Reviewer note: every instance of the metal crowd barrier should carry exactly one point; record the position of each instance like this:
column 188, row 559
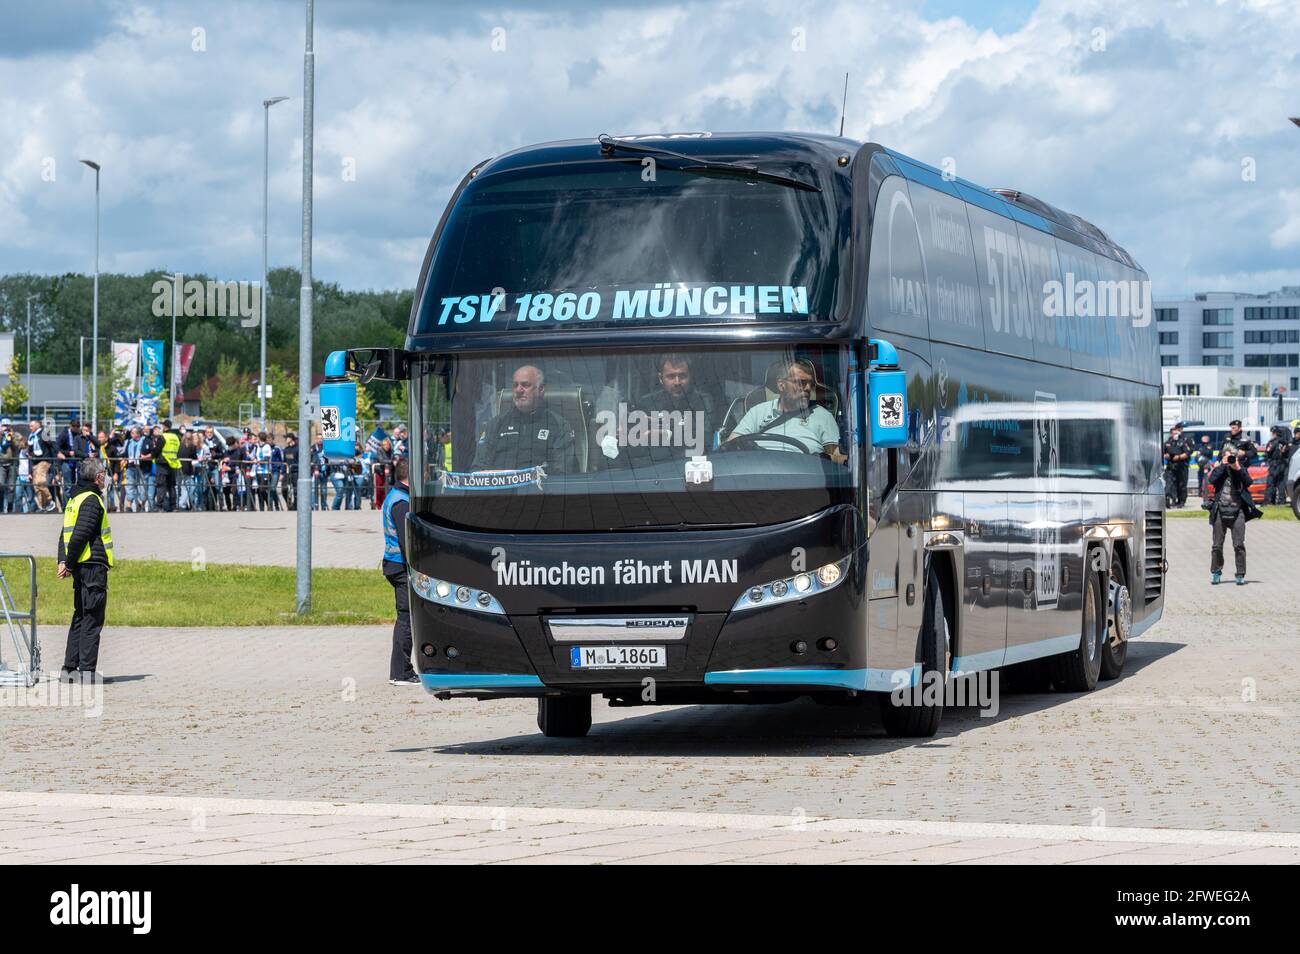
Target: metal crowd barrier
column 26, row 647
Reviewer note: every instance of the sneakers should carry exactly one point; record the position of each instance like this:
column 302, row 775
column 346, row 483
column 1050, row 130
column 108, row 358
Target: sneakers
column 1215, row 578
column 1241, row 581
column 408, row 681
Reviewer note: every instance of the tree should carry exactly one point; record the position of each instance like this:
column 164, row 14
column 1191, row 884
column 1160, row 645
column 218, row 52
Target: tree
column 14, row 395
column 229, row 388
column 282, row 405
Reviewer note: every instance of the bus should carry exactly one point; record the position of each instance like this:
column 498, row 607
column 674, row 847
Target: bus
column 753, row 417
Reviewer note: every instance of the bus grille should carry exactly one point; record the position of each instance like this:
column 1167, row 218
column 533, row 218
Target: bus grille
column 1153, row 554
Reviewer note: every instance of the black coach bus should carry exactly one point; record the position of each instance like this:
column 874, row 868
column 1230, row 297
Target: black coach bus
column 748, row 417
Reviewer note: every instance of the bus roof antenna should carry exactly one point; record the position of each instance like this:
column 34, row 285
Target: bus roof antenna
column 845, row 104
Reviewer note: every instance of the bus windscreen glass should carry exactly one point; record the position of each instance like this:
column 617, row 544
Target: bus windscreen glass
column 609, row 440
column 590, row 245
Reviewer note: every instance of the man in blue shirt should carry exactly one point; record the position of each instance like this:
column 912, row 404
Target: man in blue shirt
column 396, row 506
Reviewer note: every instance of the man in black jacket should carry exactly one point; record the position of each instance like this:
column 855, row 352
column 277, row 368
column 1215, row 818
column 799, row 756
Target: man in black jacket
column 1230, row 510
column 86, row 554
column 1276, row 455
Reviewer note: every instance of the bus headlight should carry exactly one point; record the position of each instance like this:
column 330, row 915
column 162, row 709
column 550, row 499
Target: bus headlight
column 454, row 594
column 795, row 587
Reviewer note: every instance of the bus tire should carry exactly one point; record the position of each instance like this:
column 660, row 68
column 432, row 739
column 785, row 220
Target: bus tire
column 1079, row 669
column 564, row 717
column 1295, row 498
column 917, row 717
column 1119, row 617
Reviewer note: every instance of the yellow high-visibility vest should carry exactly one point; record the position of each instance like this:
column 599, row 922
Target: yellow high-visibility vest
column 171, row 444
column 70, row 521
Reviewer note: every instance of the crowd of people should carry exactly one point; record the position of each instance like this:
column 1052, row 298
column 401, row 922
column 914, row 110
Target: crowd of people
column 166, row 468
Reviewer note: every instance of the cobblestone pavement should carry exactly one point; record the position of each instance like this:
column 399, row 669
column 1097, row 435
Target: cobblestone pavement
column 1198, row 735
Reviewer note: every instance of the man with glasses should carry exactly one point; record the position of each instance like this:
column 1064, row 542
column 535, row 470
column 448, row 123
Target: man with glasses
column 793, row 417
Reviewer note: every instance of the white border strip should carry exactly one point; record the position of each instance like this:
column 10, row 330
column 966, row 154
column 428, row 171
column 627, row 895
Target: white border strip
column 616, row 818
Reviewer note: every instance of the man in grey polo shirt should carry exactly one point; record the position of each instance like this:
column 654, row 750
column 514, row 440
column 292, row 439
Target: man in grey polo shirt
column 793, row 416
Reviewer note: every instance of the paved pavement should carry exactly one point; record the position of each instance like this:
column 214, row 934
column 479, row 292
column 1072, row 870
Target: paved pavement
column 116, row 829
column 346, row 538
column 1197, row 737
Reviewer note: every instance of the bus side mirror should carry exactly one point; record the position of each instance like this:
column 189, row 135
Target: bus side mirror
column 338, row 409
column 886, row 396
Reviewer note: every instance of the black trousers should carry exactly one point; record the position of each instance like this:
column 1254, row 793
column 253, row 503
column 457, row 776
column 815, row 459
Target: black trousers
column 1179, row 473
column 399, row 666
column 1276, row 489
column 167, row 486
column 1237, row 527
column 89, row 603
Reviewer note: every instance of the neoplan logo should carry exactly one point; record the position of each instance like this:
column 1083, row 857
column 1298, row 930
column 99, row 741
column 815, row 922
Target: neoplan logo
column 103, row 907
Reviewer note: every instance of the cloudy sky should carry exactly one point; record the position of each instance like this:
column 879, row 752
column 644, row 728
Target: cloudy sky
column 1163, row 122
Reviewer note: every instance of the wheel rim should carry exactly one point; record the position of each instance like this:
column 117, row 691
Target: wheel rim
column 1091, row 623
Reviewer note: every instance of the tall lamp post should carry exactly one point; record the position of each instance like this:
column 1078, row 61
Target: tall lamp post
column 303, row 600
column 94, row 330
column 27, row 358
column 266, row 166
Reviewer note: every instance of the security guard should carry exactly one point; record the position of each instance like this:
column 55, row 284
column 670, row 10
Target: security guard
column 171, row 464
column 527, row 434
column 1239, row 441
column 1276, row 455
column 86, row 554
column 396, row 506
column 1178, row 453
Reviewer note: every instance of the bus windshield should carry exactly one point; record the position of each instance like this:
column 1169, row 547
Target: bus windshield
column 580, row 245
column 607, row 440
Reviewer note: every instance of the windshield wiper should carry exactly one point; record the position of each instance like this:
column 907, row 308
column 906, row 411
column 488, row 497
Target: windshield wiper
column 608, row 145
column 682, row 525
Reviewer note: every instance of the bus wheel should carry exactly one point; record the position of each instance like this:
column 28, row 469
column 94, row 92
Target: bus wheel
column 1077, row 671
column 565, row 717
column 1119, row 620
column 1295, row 499
column 915, row 713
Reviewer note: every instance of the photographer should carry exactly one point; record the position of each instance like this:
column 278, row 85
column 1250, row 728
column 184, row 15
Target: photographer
column 1230, row 510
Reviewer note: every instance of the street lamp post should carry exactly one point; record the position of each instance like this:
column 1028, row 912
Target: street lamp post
column 94, row 330
column 27, row 358
column 303, row 600
column 266, row 166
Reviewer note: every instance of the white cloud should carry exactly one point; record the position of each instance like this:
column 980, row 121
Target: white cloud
column 1144, row 137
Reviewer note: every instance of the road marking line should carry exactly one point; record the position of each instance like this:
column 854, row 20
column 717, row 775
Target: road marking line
column 616, row 817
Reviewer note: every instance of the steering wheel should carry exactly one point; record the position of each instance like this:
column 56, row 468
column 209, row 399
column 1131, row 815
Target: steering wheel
column 751, row 440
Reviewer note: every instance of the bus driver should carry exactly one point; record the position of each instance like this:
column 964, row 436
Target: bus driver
column 793, row 416
column 528, row 433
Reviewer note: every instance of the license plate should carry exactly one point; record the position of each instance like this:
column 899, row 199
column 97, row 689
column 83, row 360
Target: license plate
column 618, row 657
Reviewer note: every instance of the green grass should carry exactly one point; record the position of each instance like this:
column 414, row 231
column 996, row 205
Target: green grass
column 1271, row 512
column 160, row 593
